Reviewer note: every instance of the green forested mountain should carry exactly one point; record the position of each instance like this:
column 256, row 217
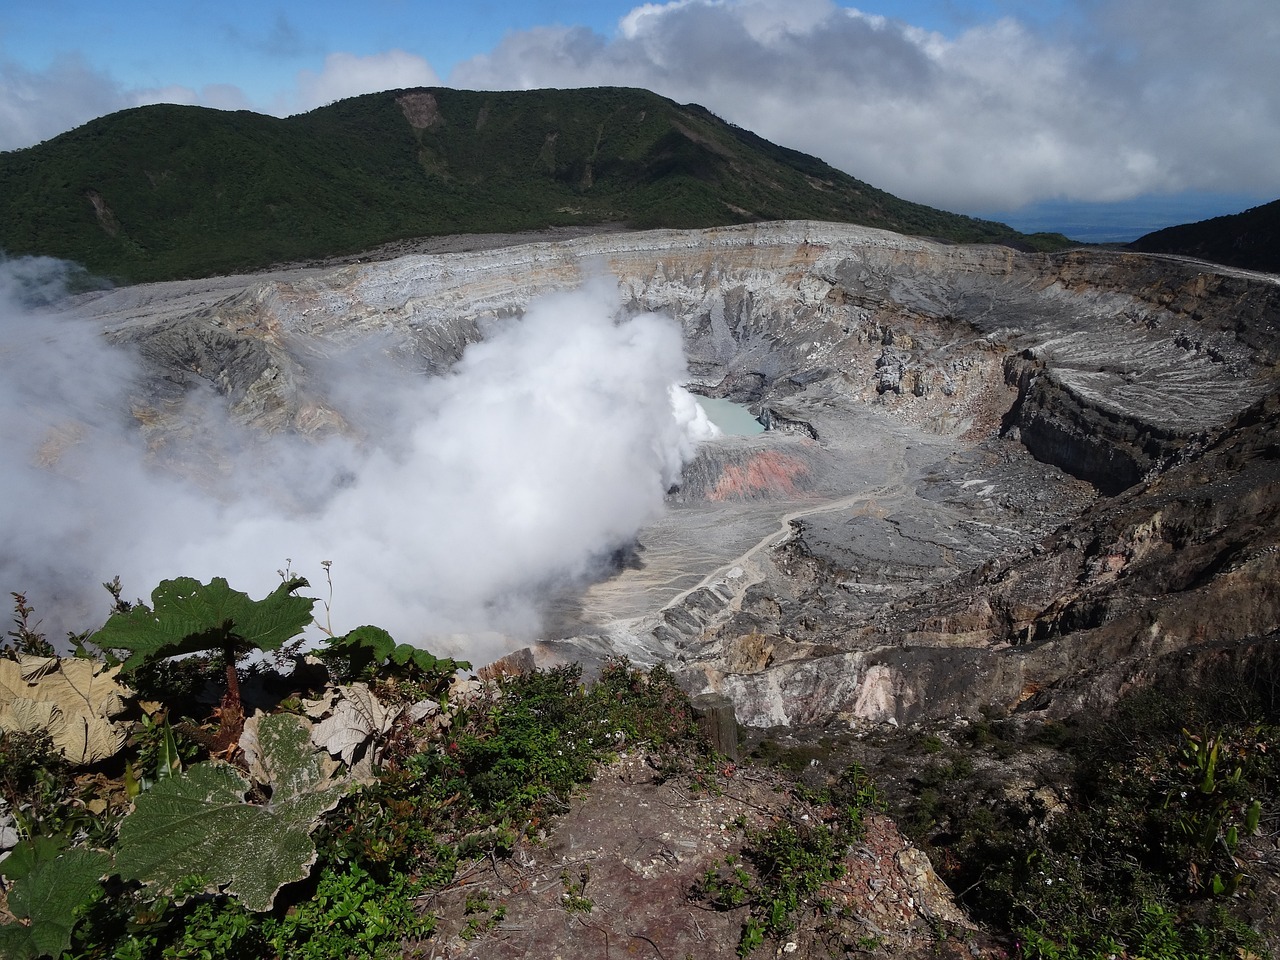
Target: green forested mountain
column 169, row 191
column 1250, row 239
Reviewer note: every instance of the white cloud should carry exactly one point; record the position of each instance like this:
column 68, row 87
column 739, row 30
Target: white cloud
column 1138, row 96
column 347, row 75
column 39, row 105
column 633, row 24
column 36, row 105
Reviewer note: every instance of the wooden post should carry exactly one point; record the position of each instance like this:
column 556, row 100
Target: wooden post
column 717, row 722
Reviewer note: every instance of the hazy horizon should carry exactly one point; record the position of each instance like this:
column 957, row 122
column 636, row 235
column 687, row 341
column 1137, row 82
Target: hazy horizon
column 1123, row 222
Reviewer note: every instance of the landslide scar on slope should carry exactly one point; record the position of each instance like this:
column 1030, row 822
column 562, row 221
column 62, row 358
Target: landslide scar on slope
column 420, row 109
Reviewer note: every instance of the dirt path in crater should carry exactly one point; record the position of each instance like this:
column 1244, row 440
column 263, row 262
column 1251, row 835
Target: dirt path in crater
column 875, row 464
column 752, row 573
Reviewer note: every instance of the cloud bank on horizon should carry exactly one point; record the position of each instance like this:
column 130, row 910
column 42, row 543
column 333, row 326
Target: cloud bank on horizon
column 1088, row 102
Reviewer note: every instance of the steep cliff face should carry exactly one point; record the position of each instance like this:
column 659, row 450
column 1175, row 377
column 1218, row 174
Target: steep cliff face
column 891, row 553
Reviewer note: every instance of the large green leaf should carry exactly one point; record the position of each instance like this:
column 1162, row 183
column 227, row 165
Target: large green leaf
column 30, row 854
column 187, row 616
column 371, row 649
column 46, row 900
column 358, row 653
column 198, row 824
column 300, row 787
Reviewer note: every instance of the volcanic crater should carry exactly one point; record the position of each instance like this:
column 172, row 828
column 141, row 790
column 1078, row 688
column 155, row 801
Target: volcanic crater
column 990, row 476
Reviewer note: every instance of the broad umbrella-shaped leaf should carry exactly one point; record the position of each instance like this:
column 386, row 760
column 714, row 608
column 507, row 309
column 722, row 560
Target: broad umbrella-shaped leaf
column 45, row 901
column 372, row 646
column 356, row 717
column 30, row 854
column 75, row 700
column 362, row 648
column 198, row 824
column 187, row 616
column 378, row 641
column 297, row 771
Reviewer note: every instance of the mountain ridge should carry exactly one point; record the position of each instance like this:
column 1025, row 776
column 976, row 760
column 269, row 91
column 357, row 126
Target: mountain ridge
column 1249, row 239
column 164, row 191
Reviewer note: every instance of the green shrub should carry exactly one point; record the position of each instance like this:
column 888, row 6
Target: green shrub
column 1159, row 796
column 351, row 914
column 791, row 861
column 369, row 652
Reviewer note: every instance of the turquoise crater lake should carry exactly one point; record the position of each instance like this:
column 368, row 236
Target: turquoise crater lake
column 733, row 419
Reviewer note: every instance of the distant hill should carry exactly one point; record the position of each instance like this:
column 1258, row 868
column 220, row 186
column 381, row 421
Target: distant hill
column 167, row 191
column 1250, row 240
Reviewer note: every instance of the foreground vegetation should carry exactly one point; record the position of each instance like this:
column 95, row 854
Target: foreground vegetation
column 1145, row 831
column 319, row 839
column 164, row 191
column 318, row 811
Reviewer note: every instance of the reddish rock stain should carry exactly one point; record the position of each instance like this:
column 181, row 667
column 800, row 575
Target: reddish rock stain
column 769, row 473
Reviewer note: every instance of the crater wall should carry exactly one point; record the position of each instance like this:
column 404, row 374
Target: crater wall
column 911, row 377
column 1116, row 359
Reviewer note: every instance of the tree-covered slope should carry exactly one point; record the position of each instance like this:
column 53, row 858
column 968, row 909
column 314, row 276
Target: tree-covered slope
column 168, row 191
column 1250, row 239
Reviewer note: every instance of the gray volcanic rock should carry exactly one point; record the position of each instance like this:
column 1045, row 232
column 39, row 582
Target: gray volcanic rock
column 1167, row 575
column 887, row 550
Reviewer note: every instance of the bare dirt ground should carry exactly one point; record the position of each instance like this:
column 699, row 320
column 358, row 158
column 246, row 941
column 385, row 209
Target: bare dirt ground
column 614, row 878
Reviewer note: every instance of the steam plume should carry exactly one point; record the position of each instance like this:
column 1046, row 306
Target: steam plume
column 546, row 447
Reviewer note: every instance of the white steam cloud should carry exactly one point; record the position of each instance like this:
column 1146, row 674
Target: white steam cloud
column 476, row 495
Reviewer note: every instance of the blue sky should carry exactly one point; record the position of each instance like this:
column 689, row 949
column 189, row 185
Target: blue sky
column 1104, row 118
